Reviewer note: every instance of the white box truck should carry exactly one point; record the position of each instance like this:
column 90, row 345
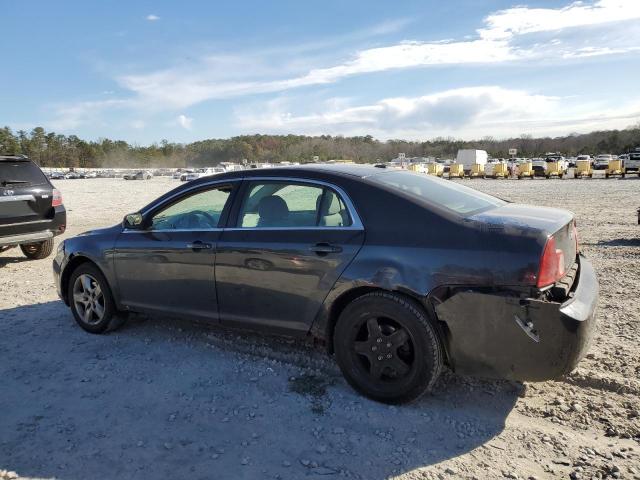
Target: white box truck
column 469, row 158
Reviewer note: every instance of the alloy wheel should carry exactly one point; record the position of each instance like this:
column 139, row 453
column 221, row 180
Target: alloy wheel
column 88, row 299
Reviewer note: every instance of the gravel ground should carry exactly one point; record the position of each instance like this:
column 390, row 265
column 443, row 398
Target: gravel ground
column 166, row 398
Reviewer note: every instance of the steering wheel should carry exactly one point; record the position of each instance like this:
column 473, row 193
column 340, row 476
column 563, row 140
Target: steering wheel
column 200, row 219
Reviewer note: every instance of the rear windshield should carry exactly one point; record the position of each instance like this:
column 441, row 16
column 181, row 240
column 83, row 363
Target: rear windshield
column 634, row 156
column 450, row 195
column 20, row 173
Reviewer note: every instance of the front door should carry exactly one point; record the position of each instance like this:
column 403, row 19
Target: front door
column 289, row 244
column 168, row 266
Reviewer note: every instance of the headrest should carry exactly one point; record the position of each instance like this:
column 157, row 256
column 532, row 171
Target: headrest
column 330, row 204
column 272, row 208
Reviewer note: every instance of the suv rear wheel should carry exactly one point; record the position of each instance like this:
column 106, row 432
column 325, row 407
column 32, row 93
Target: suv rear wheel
column 37, row 251
column 387, row 348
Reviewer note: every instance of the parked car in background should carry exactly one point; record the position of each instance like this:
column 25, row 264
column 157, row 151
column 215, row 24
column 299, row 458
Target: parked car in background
column 139, row 175
column 185, row 173
column 56, row 176
column 31, row 209
column 459, row 277
column 584, row 157
column 632, row 162
column 601, row 162
column 213, row 171
column 190, row 176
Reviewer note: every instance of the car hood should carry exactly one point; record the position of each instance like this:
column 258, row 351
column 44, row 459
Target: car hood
column 102, row 231
column 513, row 217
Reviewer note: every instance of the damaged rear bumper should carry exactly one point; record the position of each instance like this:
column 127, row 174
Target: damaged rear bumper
column 500, row 336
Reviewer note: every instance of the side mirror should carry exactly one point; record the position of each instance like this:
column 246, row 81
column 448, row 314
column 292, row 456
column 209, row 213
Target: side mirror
column 133, row 221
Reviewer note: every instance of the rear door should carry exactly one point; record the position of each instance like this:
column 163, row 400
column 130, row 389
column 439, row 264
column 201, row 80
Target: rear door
column 288, row 243
column 25, row 197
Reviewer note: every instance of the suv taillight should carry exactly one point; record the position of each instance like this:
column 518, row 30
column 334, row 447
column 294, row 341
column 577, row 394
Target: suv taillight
column 56, row 199
column 551, row 264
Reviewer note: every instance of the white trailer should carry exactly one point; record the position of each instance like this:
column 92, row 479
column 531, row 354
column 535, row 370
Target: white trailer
column 468, row 158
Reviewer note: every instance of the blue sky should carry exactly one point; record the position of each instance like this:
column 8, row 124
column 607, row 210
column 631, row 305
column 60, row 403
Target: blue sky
column 147, row 70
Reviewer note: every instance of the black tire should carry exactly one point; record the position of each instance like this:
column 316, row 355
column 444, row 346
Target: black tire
column 37, row 251
column 404, row 345
column 110, row 320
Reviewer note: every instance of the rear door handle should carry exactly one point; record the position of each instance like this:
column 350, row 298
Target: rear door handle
column 324, row 248
column 198, row 245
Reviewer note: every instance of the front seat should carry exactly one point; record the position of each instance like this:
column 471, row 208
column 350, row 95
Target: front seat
column 273, row 212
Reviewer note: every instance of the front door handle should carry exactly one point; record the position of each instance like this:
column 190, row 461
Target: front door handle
column 324, row 248
column 198, row 245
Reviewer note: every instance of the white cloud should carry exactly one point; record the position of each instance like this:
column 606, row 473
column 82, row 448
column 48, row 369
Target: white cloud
column 72, row 115
column 152, row 18
column 185, row 122
column 497, row 42
column 462, row 113
column 522, row 20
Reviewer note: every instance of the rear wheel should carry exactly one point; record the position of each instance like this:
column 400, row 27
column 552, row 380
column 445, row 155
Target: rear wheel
column 387, row 348
column 37, row 251
column 91, row 300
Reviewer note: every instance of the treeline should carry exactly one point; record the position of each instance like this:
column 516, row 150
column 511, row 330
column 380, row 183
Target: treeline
column 49, row 149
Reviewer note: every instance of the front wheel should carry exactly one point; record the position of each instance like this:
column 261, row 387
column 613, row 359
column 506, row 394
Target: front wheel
column 91, row 301
column 387, row 348
column 37, row 251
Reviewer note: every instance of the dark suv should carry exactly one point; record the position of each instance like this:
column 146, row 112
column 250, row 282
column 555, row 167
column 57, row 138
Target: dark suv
column 31, row 210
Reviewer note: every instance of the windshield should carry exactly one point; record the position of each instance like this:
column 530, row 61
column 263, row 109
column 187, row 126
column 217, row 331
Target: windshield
column 450, row 195
column 20, row 172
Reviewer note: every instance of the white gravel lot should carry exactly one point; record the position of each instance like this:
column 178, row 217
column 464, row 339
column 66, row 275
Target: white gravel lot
column 166, row 398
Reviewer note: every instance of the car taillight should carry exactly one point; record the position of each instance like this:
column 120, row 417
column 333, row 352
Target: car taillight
column 56, row 199
column 551, row 264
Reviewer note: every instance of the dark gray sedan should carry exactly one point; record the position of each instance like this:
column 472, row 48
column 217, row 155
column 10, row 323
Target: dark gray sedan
column 397, row 273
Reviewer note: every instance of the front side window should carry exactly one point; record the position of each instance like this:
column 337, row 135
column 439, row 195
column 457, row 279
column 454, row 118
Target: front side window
column 292, row 205
column 198, row 211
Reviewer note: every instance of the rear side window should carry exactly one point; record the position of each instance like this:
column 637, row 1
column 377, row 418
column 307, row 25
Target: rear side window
column 20, row 173
column 292, row 205
column 443, row 193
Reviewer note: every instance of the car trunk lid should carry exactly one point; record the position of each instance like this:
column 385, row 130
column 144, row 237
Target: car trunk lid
column 554, row 228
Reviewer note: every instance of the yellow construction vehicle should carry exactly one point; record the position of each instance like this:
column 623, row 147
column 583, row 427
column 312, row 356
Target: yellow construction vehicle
column 554, row 169
column 436, row 169
column 500, row 170
column 456, row 170
column 583, row 169
column 477, row 171
column 417, row 167
column 615, row 168
column 525, row 169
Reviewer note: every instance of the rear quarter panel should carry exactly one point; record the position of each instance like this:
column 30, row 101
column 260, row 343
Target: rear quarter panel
column 411, row 249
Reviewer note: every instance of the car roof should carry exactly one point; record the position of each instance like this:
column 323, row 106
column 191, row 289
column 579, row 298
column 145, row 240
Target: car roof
column 14, row 158
column 353, row 171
